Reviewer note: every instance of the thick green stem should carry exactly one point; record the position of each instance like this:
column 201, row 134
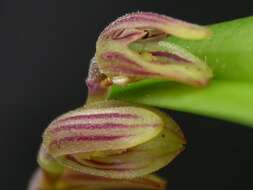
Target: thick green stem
column 226, row 100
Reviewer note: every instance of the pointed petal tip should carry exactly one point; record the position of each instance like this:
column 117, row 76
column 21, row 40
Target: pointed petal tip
column 194, row 32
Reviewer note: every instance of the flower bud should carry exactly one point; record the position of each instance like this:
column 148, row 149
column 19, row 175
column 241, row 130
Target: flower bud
column 133, row 48
column 113, row 139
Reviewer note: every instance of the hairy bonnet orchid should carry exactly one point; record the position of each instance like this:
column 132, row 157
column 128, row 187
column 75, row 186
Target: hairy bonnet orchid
column 155, row 59
column 115, row 144
column 111, row 139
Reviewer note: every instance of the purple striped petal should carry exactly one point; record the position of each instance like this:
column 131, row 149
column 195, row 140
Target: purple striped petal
column 133, row 162
column 162, row 23
column 134, row 46
column 100, row 129
column 109, row 139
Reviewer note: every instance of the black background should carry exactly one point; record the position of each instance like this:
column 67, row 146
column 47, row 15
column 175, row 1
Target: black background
column 45, row 50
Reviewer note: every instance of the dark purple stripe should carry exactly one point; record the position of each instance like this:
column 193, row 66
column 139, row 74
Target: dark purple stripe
column 117, row 33
column 114, row 56
column 132, row 71
column 127, row 35
column 96, row 126
column 58, row 142
column 171, row 56
column 99, row 163
column 100, row 116
column 143, row 18
column 138, row 19
column 83, row 176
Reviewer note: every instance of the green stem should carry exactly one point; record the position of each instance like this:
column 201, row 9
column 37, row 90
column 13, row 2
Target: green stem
column 221, row 99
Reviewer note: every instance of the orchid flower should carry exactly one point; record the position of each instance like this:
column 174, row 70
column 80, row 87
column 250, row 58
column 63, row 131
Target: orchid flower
column 111, row 139
column 112, row 144
column 116, row 62
column 155, row 59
